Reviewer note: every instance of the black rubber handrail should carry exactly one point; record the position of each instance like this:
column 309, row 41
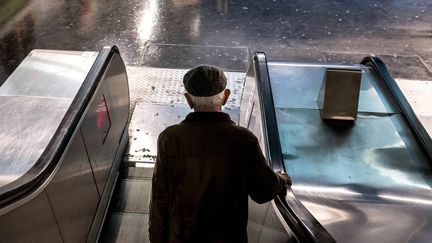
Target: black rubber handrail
column 402, row 103
column 52, row 154
column 301, row 222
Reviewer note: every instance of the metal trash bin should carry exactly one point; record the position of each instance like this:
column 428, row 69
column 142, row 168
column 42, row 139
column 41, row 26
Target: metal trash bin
column 339, row 94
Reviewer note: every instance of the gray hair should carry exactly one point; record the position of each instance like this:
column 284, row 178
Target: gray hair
column 208, row 101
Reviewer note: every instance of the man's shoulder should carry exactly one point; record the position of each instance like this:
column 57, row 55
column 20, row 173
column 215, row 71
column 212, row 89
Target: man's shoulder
column 243, row 131
column 233, row 129
column 170, row 130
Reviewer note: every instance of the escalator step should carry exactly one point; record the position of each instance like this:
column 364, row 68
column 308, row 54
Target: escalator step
column 126, row 227
column 136, row 173
column 133, row 196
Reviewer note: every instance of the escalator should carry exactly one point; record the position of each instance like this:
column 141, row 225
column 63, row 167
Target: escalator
column 64, row 129
column 362, row 181
column 81, row 171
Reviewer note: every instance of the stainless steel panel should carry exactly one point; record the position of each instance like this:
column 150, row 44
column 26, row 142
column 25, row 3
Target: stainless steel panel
column 73, row 193
column 49, row 73
column 133, row 196
column 269, row 235
column 250, row 111
column 257, row 212
column 32, row 222
column 126, row 227
column 339, row 94
column 254, row 232
column 108, row 192
column 272, row 221
column 105, row 119
column 264, row 225
column 367, row 182
column 27, row 125
column 297, row 86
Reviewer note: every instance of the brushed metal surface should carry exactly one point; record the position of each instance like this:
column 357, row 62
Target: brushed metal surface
column 297, row 86
column 257, row 212
column 339, row 94
column 73, row 193
column 270, row 235
column 27, row 125
column 254, row 231
column 126, row 227
column 32, row 222
column 367, row 182
column 133, row 196
column 102, row 144
column 264, row 225
column 49, row 73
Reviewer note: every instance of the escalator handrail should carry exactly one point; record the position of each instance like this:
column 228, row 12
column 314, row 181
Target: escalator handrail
column 51, row 156
column 305, row 227
column 402, row 103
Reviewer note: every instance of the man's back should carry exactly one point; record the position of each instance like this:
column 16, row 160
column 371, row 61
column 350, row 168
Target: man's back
column 205, row 170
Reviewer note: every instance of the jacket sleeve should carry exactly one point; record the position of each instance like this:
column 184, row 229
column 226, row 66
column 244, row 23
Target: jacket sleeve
column 263, row 183
column 159, row 217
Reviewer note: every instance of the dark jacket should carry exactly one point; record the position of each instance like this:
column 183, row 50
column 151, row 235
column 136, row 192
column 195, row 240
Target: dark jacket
column 205, row 169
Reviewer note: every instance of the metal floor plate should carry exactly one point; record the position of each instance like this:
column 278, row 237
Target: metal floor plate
column 419, row 95
column 148, row 121
column 165, row 86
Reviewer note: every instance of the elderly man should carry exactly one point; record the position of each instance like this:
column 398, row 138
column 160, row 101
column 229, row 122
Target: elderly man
column 206, row 168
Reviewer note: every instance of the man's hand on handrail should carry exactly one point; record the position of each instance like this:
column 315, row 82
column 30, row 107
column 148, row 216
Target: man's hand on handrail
column 285, row 177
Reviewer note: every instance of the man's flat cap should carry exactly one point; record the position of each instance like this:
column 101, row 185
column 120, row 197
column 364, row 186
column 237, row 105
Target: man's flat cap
column 204, row 81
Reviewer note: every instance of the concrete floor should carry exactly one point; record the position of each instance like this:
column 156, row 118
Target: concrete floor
column 183, row 33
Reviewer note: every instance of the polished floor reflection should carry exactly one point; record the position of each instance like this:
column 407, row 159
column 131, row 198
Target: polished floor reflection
column 312, row 30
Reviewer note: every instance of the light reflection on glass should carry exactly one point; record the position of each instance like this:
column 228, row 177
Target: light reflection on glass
column 184, row 3
column 325, row 190
column 87, row 12
column 195, row 26
column 144, row 165
column 148, row 21
column 410, row 200
column 222, row 6
column 325, row 214
column 400, row 177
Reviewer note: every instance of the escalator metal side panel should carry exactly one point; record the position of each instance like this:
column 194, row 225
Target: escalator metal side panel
column 41, row 173
column 106, row 119
column 31, row 222
column 68, row 183
column 109, row 189
column 74, row 185
column 413, row 121
column 301, row 224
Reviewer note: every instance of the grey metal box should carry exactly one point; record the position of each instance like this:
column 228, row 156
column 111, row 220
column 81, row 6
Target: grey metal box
column 339, row 94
